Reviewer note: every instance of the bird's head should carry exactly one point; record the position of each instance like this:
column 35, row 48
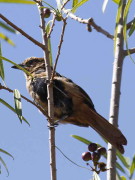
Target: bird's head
column 32, row 64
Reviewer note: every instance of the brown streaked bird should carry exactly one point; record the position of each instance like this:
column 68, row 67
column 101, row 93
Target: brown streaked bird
column 71, row 103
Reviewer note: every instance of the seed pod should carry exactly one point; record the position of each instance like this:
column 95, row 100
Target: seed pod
column 101, row 150
column 86, row 156
column 102, row 166
column 58, row 17
column 95, row 156
column 46, row 13
column 92, row 147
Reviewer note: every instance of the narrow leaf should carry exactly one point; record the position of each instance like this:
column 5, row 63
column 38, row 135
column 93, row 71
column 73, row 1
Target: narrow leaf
column 132, row 28
column 4, row 37
column 5, row 152
column 78, row 5
column 85, row 141
column 47, row 28
column 123, row 178
column 118, row 166
column 12, row 109
column 17, row 1
column 4, row 164
column 75, row 2
column 132, row 167
column 18, row 104
column 123, row 159
column 117, row 21
column 126, row 11
column 125, row 19
column 19, row 67
column 49, row 42
column 116, row 1
column 5, row 26
column 2, row 74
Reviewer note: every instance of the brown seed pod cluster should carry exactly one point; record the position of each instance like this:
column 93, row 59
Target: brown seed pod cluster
column 94, row 154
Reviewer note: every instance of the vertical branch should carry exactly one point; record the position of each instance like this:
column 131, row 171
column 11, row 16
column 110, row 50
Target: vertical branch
column 59, row 46
column 50, row 95
column 115, row 92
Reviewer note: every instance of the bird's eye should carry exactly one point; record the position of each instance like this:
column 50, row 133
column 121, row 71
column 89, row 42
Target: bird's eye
column 30, row 63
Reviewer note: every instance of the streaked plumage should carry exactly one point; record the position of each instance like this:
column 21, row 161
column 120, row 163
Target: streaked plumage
column 71, row 103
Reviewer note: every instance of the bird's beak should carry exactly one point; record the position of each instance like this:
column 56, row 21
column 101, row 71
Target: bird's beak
column 15, row 67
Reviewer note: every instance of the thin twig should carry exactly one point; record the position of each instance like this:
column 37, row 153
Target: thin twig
column 129, row 51
column 28, row 100
column 64, row 4
column 59, row 47
column 52, row 26
column 71, row 160
column 89, row 22
column 22, row 32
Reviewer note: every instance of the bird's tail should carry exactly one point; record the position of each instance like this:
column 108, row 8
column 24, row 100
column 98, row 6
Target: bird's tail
column 112, row 134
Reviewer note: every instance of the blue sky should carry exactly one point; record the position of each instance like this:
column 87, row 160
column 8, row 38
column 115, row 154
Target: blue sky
column 86, row 58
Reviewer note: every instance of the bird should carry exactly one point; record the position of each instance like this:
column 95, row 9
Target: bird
column 72, row 104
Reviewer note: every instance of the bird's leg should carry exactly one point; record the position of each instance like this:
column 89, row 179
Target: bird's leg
column 61, row 119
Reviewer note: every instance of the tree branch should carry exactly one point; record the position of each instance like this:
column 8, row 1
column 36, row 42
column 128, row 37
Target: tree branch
column 59, row 47
column 89, row 22
column 49, row 94
column 52, row 26
column 22, row 32
column 131, row 51
column 115, row 92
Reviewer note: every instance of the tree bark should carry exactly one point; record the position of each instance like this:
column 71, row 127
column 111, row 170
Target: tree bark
column 115, row 92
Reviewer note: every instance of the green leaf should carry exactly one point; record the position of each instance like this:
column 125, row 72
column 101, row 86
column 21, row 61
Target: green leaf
column 117, row 21
column 17, row 1
column 2, row 74
column 126, row 11
column 125, row 15
column 75, row 2
column 49, row 42
column 116, row 1
column 18, row 104
column 95, row 176
column 132, row 167
column 12, row 109
column 5, row 26
column 118, row 166
column 85, row 141
column 132, row 28
column 5, row 152
column 19, row 67
column 78, row 5
column 124, row 160
column 4, row 37
column 123, row 178
column 4, row 164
